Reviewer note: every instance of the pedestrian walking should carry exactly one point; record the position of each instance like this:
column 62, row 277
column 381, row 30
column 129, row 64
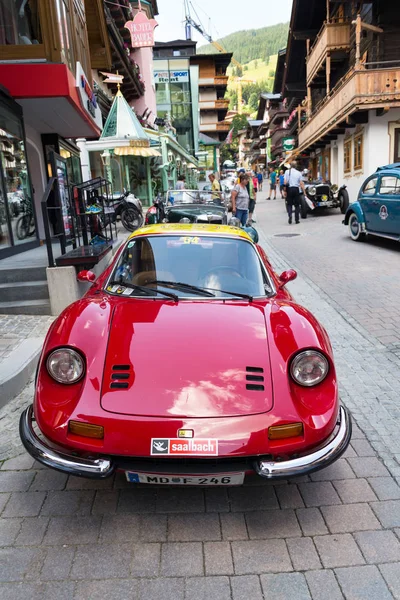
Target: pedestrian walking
column 240, row 199
column 252, row 189
column 260, row 180
column 216, row 188
column 294, row 185
column 282, row 183
column 272, row 184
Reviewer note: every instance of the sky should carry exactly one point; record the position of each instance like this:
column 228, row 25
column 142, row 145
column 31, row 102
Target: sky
column 224, row 16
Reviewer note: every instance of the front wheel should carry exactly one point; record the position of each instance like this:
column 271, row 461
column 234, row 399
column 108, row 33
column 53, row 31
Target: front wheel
column 131, row 219
column 356, row 233
column 344, row 201
column 23, row 227
column 304, row 207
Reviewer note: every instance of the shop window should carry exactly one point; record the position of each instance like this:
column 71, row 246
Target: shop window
column 19, row 22
column 15, row 193
column 390, row 186
column 347, row 156
column 358, row 151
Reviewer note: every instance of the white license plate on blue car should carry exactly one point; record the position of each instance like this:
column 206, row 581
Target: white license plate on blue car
column 223, row 479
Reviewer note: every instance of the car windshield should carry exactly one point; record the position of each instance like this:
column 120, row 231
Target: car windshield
column 178, row 197
column 222, row 266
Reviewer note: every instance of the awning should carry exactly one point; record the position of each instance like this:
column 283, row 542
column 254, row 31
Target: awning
column 136, row 151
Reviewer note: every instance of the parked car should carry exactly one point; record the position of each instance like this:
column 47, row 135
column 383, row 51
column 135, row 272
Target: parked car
column 193, row 206
column 324, row 195
column 377, row 209
column 187, row 362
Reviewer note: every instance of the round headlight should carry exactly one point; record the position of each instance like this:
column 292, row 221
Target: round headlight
column 312, row 190
column 65, row 365
column 309, row 368
column 334, row 188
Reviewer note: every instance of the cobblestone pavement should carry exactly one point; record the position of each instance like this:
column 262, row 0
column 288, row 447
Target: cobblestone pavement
column 16, row 328
column 335, row 534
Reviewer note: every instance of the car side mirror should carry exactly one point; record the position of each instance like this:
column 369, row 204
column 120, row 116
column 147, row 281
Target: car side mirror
column 287, row 276
column 87, row 276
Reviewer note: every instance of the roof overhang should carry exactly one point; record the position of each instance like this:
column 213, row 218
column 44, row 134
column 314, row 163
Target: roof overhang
column 49, row 96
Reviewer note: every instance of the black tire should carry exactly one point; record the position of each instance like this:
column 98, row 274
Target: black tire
column 22, row 227
column 355, row 228
column 344, row 201
column 304, row 207
column 131, row 219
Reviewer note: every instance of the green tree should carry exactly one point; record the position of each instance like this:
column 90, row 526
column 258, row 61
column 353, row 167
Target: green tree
column 256, row 64
column 239, row 122
column 253, row 101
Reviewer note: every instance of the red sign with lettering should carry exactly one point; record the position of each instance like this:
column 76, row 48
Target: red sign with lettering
column 141, row 30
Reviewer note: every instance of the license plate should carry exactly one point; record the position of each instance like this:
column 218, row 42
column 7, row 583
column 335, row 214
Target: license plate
column 324, row 197
column 163, row 479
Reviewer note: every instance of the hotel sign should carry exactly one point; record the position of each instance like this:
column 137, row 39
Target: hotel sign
column 141, row 30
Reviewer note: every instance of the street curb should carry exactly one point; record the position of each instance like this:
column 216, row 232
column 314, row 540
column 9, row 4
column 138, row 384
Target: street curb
column 16, row 371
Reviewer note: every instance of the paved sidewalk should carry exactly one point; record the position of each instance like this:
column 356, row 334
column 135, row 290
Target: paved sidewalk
column 333, row 535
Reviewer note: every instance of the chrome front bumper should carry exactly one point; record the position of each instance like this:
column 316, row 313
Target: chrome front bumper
column 314, row 461
column 93, row 468
column 100, row 468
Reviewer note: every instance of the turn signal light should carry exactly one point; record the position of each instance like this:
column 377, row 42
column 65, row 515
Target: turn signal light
column 280, row 432
column 86, row 430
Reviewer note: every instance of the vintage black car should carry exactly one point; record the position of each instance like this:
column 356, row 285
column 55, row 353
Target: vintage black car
column 324, row 195
column 189, row 206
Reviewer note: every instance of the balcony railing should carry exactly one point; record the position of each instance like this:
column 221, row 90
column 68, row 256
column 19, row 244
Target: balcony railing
column 332, row 37
column 368, row 88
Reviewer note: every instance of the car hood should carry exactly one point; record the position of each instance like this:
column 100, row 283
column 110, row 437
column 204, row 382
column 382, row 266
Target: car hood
column 191, row 359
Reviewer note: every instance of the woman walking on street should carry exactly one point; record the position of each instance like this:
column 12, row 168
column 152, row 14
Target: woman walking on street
column 240, row 199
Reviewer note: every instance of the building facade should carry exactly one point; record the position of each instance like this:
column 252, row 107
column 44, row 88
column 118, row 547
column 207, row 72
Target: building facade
column 343, row 65
column 176, row 83
column 213, row 83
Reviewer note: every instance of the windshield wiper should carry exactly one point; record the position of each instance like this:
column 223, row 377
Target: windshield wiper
column 238, row 294
column 147, row 291
column 183, row 287
column 201, row 290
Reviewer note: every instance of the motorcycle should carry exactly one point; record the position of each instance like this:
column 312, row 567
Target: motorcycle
column 128, row 208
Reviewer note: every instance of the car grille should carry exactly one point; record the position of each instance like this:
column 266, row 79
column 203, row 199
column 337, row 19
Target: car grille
column 323, row 190
column 186, row 466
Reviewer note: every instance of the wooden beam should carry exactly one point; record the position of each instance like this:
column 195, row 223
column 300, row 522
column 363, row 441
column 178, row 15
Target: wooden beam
column 382, row 111
column 364, row 25
column 305, row 34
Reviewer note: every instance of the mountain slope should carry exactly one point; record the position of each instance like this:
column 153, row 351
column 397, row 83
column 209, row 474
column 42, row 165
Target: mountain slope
column 252, row 44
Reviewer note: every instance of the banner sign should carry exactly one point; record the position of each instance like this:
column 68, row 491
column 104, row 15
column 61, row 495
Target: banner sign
column 171, row 77
column 289, row 143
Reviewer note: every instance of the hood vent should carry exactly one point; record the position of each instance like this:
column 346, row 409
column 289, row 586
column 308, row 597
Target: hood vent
column 120, row 376
column 255, row 374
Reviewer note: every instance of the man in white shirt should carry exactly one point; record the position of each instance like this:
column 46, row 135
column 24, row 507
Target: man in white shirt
column 295, row 184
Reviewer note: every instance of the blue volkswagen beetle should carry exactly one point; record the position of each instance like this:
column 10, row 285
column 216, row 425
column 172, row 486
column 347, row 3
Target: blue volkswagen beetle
column 377, row 209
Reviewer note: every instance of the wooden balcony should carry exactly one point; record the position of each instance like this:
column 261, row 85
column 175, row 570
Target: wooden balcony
column 220, row 104
column 217, row 80
column 359, row 90
column 204, row 127
column 333, row 37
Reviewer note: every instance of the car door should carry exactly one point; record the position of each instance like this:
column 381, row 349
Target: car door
column 388, row 204
column 367, row 199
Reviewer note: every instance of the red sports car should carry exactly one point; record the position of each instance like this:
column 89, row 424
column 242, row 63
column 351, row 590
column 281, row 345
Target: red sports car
column 187, row 362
